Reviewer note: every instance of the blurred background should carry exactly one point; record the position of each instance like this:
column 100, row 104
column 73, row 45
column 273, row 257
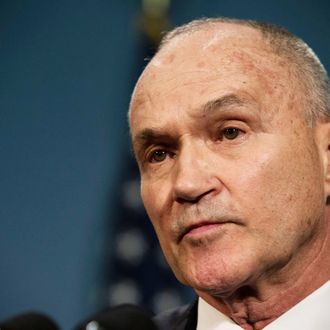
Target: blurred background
column 74, row 237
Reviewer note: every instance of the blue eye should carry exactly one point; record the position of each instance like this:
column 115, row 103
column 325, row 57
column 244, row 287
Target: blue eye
column 231, row 133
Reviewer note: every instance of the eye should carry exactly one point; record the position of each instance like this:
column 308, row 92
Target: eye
column 158, row 156
column 231, row 133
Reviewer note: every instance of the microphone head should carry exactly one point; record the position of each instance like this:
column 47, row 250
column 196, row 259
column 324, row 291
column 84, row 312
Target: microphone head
column 29, row 321
column 121, row 317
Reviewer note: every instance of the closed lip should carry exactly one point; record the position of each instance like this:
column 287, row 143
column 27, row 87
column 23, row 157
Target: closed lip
column 190, row 228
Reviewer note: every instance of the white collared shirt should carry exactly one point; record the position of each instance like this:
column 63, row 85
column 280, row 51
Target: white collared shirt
column 312, row 313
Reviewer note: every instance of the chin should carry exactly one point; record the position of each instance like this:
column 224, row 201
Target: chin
column 216, row 277
column 217, row 285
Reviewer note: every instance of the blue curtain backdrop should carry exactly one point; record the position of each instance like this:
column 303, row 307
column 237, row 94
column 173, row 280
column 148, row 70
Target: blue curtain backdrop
column 69, row 201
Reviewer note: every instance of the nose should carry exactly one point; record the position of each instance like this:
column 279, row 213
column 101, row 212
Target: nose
column 195, row 176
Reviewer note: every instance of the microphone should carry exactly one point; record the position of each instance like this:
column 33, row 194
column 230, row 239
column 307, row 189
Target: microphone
column 29, row 321
column 121, row 317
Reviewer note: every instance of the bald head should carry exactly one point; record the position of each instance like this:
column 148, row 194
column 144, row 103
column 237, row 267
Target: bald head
column 310, row 75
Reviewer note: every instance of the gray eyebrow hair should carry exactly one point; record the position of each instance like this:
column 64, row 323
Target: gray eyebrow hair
column 221, row 102
column 149, row 134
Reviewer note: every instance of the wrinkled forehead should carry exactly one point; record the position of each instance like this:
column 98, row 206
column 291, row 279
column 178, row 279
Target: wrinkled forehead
column 227, row 53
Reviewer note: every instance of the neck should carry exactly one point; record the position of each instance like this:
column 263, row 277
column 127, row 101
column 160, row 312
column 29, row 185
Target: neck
column 255, row 305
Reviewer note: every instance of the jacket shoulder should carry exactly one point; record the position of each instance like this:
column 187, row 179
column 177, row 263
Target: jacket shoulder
column 180, row 318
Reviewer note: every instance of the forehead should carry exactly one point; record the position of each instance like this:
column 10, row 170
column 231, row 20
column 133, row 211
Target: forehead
column 194, row 68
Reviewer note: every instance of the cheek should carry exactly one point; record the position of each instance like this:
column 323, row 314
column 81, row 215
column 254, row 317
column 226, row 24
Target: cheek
column 154, row 199
column 281, row 186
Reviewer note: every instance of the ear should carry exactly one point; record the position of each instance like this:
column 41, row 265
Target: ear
column 323, row 141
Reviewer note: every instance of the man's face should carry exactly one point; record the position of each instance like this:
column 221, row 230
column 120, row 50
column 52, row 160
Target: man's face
column 231, row 174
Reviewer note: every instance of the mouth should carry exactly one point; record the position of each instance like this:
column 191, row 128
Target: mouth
column 202, row 228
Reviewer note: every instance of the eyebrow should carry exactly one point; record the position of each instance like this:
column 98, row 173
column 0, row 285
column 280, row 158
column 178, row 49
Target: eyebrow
column 150, row 135
column 222, row 102
column 147, row 137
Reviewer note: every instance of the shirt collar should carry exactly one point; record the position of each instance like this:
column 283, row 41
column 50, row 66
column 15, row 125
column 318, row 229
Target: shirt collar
column 309, row 314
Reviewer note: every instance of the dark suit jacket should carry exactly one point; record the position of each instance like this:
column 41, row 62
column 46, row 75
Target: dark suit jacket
column 182, row 318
